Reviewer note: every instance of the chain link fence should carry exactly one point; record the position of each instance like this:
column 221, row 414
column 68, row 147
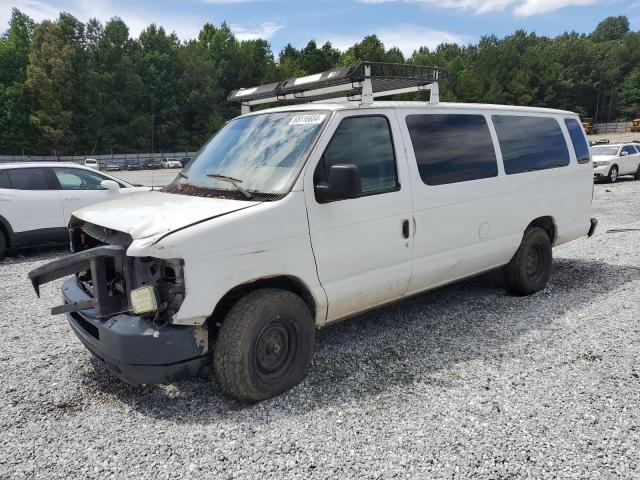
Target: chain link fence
column 120, row 158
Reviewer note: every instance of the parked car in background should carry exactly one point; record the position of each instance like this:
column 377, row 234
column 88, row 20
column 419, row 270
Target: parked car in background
column 635, row 125
column 92, row 163
column 171, row 163
column 133, row 164
column 184, row 161
column 50, row 192
column 112, row 165
column 152, row 164
column 612, row 161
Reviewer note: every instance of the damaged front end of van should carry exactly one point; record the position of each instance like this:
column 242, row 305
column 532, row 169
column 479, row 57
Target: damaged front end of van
column 120, row 298
column 120, row 307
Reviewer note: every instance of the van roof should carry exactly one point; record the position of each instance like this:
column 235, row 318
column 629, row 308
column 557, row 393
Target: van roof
column 413, row 104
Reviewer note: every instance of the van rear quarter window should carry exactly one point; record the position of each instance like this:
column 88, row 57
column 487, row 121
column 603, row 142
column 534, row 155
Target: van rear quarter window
column 451, row 148
column 580, row 146
column 530, row 143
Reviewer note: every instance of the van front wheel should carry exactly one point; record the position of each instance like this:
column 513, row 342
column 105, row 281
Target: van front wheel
column 530, row 268
column 265, row 344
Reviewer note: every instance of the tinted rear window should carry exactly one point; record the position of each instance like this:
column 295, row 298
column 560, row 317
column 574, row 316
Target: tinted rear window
column 580, row 146
column 530, row 143
column 28, row 179
column 452, row 148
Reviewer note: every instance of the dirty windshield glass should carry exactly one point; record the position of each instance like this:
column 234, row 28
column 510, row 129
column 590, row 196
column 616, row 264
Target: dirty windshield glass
column 254, row 154
column 605, row 150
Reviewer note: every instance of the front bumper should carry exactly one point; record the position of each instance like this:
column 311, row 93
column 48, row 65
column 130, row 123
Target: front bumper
column 601, row 172
column 133, row 348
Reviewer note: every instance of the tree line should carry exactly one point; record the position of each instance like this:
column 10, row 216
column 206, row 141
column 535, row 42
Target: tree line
column 68, row 87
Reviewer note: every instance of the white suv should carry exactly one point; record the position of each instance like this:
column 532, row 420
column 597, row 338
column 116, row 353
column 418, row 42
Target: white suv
column 295, row 217
column 612, row 161
column 37, row 200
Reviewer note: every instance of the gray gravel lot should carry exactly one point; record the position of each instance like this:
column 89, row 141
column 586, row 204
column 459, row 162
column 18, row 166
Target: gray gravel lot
column 464, row 381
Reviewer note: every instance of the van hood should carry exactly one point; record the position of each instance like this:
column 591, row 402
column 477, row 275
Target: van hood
column 156, row 213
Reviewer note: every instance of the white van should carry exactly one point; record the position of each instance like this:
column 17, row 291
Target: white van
column 294, row 217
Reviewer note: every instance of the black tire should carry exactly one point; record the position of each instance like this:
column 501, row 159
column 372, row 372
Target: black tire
column 530, row 268
column 612, row 177
column 265, row 345
column 636, row 176
column 3, row 245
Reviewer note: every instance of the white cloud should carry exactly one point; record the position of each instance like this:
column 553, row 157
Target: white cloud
column 521, row 8
column 535, row 7
column 265, row 31
column 406, row 36
column 137, row 18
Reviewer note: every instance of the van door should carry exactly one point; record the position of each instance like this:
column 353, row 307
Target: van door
column 460, row 218
column 362, row 245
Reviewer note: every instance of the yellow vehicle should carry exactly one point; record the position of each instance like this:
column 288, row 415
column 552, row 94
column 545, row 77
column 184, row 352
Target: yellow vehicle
column 635, row 125
column 589, row 126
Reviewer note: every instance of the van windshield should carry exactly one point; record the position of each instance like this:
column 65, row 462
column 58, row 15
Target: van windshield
column 260, row 153
column 605, row 150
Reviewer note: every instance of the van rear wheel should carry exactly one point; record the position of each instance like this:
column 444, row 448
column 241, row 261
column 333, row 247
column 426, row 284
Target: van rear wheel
column 530, row 268
column 265, row 344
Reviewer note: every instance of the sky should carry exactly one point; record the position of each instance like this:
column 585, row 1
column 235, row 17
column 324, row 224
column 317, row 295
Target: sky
column 406, row 24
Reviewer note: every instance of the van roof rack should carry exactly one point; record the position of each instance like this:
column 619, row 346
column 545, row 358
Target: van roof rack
column 362, row 82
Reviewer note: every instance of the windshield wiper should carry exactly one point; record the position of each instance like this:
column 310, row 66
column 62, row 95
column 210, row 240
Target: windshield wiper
column 183, row 175
column 233, row 181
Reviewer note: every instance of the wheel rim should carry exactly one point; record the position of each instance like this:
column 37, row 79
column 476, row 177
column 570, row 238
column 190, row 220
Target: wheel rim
column 614, row 174
column 533, row 261
column 275, row 350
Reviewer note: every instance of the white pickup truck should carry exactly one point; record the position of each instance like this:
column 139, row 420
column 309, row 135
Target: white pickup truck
column 294, row 217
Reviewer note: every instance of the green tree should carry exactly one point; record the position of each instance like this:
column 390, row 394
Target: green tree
column 611, row 29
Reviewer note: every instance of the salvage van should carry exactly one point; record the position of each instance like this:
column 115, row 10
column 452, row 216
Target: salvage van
column 294, row 217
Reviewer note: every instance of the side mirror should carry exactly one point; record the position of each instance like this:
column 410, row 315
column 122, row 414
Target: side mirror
column 110, row 185
column 624, row 154
column 344, row 182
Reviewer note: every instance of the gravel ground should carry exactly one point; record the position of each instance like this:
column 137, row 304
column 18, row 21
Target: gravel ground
column 464, row 381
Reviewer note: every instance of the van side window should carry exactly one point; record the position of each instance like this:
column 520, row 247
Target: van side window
column 365, row 142
column 29, row 179
column 530, row 143
column 452, row 148
column 577, row 139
